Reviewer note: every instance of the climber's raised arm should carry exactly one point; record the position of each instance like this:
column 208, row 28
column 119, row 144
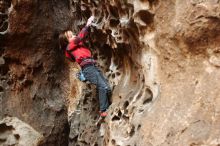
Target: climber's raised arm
column 82, row 34
column 76, row 51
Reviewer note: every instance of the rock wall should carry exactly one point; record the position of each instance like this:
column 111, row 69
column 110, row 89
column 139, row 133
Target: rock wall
column 32, row 70
column 161, row 58
column 16, row 132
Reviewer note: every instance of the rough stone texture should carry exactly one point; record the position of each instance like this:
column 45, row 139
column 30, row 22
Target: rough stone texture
column 32, row 69
column 16, row 132
column 161, row 58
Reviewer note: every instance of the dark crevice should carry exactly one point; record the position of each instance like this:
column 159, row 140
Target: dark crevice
column 139, row 126
column 145, row 16
column 114, row 11
column 1, row 89
column 115, row 118
column 148, row 97
column 126, row 104
column 147, row 100
column 119, row 113
column 132, row 132
column 17, row 136
column 4, row 128
column 113, row 141
column 4, row 69
column 114, row 22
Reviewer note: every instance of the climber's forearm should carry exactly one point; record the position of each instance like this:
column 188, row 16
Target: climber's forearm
column 83, row 33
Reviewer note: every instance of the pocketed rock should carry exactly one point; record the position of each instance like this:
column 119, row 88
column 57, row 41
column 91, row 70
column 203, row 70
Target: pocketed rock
column 30, row 85
column 161, row 59
column 16, row 132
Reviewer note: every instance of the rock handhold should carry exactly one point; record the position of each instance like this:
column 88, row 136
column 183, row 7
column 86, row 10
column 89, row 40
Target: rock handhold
column 15, row 132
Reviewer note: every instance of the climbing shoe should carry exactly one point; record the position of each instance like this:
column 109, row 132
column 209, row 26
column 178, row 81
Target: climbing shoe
column 103, row 114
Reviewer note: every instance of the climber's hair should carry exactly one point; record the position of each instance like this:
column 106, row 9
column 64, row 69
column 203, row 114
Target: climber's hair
column 63, row 41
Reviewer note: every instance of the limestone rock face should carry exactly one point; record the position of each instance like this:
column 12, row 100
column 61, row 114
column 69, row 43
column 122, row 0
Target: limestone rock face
column 31, row 67
column 16, row 132
column 161, row 58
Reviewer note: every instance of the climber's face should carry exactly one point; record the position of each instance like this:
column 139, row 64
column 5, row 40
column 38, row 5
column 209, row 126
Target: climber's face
column 69, row 35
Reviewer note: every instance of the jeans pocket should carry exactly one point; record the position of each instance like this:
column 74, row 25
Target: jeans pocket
column 90, row 75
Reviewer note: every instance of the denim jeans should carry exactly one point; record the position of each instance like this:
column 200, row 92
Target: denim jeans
column 95, row 76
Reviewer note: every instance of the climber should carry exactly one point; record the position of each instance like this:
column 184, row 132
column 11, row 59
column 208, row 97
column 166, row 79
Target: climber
column 75, row 50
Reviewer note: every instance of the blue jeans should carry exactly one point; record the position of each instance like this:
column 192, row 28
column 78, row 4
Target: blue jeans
column 95, row 76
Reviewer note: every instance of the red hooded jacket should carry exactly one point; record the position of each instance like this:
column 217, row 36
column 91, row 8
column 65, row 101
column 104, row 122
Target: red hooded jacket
column 77, row 49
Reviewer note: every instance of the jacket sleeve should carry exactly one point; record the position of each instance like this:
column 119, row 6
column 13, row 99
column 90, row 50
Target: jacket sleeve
column 83, row 33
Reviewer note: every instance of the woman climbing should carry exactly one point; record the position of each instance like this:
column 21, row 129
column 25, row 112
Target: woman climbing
column 75, row 50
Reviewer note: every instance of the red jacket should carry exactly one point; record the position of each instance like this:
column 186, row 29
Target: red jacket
column 77, row 49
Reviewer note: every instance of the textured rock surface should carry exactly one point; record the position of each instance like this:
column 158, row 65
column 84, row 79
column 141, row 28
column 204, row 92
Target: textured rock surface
column 161, row 58
column 16, row 132
column 32, row 69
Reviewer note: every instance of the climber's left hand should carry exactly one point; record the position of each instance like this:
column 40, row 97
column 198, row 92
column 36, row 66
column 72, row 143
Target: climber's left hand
column 90, row 20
